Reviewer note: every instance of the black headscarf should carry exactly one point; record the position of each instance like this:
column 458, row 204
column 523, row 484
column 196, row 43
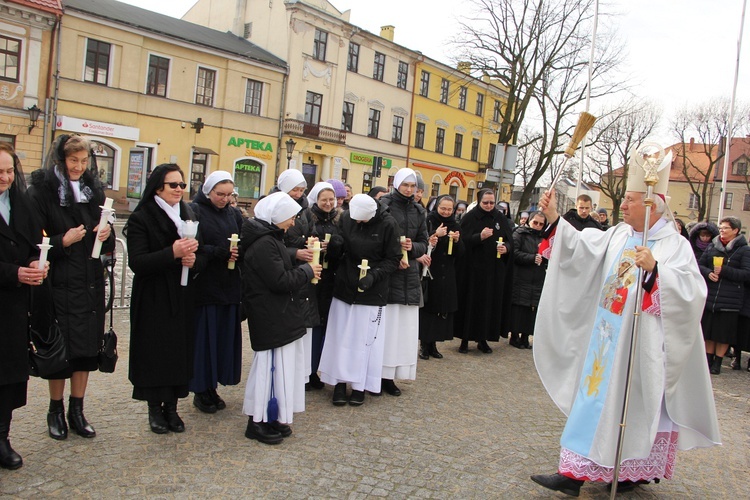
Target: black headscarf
column 434, row 219
column 19, row 181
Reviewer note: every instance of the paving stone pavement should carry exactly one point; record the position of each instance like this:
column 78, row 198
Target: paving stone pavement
column 471, row 426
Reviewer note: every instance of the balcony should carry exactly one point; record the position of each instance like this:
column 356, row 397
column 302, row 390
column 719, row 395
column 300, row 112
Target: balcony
column 304, row 129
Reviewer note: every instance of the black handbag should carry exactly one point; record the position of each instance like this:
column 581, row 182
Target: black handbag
column 107, row 356
column 48, row 351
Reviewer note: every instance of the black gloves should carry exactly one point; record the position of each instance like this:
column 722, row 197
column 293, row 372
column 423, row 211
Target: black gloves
column 366, row 282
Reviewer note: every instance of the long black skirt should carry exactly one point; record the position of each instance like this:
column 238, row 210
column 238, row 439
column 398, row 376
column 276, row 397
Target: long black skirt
column 523, row 319
column 163, row 394
column 720, row 326
column 76, row 365
column 743, row 333
column 12, row 396
column 435, row 327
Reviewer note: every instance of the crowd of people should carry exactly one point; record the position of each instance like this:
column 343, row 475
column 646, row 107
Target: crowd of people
column 339, row 289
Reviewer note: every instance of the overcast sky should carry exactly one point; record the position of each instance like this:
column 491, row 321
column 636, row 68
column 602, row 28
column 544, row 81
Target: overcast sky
column 678, row 51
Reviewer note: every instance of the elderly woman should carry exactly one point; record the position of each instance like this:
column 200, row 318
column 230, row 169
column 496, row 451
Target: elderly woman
column 726, row 267
column 19, row 235
column 436, row 317
column 67, row 196
column 218, row 323
column 353, row 351
column 270, row 292
column 486, row 277
column 161, row 309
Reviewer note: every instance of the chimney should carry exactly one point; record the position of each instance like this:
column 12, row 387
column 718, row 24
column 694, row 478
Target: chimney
column 387, row 32
column 464, row 67
column 692, row 144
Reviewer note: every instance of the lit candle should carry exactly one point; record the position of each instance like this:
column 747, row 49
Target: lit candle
column 363, row 267
column 44, row 246
column 404, row 253
column 232, row 244
column 107, row 211
column 316, row 258
column 450, row 242
column 499, row 242
column 189, row 230
column 325, row 258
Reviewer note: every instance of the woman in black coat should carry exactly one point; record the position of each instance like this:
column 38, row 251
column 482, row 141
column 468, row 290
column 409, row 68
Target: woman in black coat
column 19, row 235
column 68, row 198
column 485, row 280
column 726, row 289
column 437, row 315
column 218, row 319
column 271, row 287
column 528, row 279
column 161, row 309
column 353, row 351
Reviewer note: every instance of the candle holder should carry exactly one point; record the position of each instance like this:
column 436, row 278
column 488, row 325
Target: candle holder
column 233, row 241
column 189, row 230
column 363, row 267
column 44, row 246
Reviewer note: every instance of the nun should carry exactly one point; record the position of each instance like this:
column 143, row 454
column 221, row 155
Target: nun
column 353, row 350
column 270, row 296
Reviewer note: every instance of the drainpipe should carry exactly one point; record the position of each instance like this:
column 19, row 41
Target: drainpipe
column 420, row 59
column 53, row 111
column 279, row 144
column 47, row 91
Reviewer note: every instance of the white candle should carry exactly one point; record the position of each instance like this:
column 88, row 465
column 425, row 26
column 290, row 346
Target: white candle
column 450, row 242
column 189, row 230
column 44, row 246
column 232, row 244
column 107, row 211
column 316, row 258
column 404, row 252
column 499, row 242
column 427, row 268
column 325, row 259
column 363, row 267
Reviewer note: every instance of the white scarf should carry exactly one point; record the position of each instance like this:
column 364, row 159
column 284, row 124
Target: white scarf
column 172, row 211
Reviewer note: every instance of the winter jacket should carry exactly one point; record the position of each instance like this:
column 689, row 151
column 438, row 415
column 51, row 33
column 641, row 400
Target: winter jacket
column 77, row 280
column 578, row 223
column 528, row 278
column 695, row 232
column 728, row 293
column 376, row 240
column 217, row 285
column 271, row 287
column 405, row 287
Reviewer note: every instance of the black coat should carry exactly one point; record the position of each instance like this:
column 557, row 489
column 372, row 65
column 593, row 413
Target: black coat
column 484, row 281
column 405, row 287
column 162, row 324
column 578, row 223
column 17, row 249
column 442, row 297
column 375, row 240
column 77, row 280
column 217, row 285
column 322, row 223
column 728, row 293
column 271, row 287
column 528, row 278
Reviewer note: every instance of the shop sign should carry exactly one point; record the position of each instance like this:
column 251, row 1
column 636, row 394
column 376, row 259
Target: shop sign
column 365, row 159
column 243, row 167
column 256, row 149
column 90, row 127
column 455, row 175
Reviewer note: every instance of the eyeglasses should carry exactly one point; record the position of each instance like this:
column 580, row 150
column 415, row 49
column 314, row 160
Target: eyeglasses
column 488, row 203
column 725, row 228
column 221, row 195
column 175, row 185
column 535, row 223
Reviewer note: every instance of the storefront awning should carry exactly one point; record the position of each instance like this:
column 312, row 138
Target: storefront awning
column 205, row 151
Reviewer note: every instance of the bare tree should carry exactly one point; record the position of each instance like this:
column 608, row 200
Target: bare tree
column 617, row 132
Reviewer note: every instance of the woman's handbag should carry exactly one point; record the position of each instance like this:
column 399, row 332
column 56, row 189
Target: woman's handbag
column 48, row 352
column 107, row 356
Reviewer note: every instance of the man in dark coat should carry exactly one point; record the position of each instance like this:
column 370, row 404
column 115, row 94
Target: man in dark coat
column 580, row 216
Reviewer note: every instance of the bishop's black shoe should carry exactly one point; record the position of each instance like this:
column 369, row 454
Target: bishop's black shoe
column 558, row 482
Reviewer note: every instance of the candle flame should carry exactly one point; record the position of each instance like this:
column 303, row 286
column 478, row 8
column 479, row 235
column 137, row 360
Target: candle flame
column 44, row 233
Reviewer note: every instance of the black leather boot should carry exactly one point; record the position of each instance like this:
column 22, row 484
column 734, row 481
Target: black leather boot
column 173, row 419
column 156, row 419
column 737, row 361
column 56, row 424
column 9, row 459
column 716, row 366
column 76, row 420
column 434, row 352
column 424, row 350
column 710, row 359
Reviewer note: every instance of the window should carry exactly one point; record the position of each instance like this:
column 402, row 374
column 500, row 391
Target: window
column 746, row 204
column 344, row 175
column 158, row 72
column 378, row 67
column 204, row 89
column 253, row 97
column 403, row 74
column 10, row 58
column 398, row 129
column 319, row 46
column 453, row 191
column 419, row 136
column 424, row 84
column 373, row 123
column 470, row 194
column 348, row 119
column 496, row 111
column 458, row 145
column 728, row 201
column 739, row 168
column 693, row 201
column 491, row 155
column 435, row 191
column 352, row 62
column 480, row 105
column 97, row 62
column 462, row 99
column 105, row 162
column 439, row 140
column 444, row 85
column 474, row 149
column 313, row 103
column 248, row 178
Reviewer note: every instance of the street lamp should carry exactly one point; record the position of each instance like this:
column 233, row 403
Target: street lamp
column 289, row 151
column 34, row 113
